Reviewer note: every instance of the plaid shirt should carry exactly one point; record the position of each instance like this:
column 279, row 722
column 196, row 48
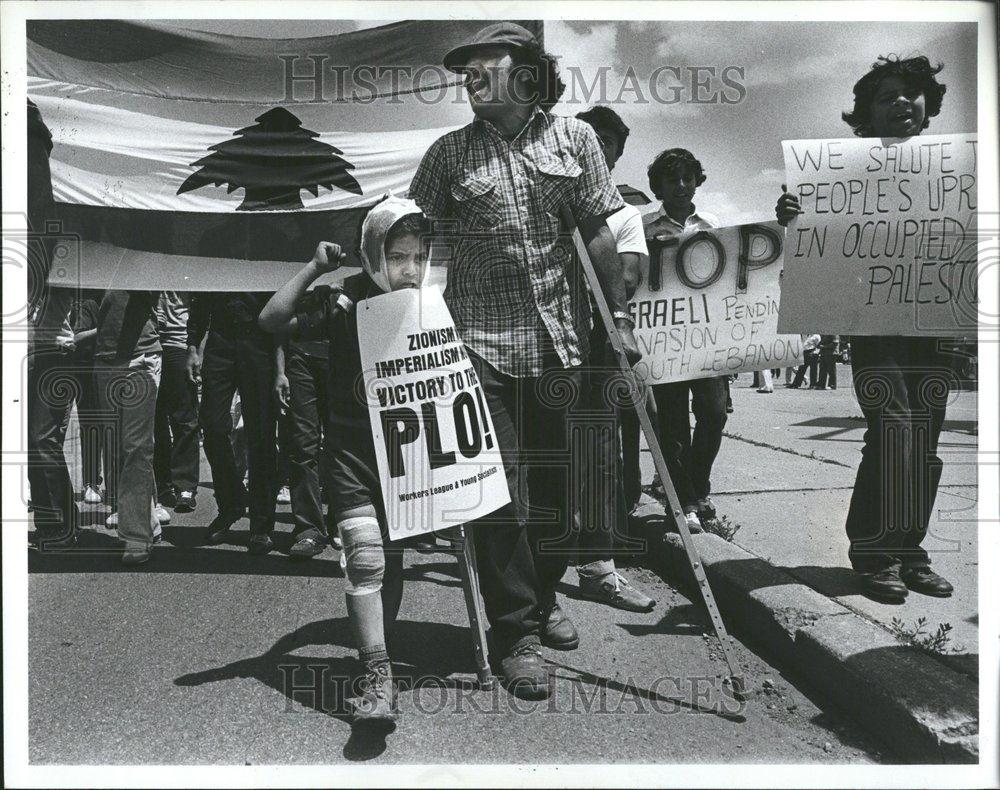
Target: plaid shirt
column 515, row 288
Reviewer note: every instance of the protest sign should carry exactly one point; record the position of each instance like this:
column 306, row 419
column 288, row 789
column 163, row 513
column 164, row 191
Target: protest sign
column 708, row 306
column 438, row 458
column 887, row 241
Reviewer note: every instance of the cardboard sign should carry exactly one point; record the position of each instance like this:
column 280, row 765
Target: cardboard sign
column 708, row 306
column 887, row 243
column 438, row 457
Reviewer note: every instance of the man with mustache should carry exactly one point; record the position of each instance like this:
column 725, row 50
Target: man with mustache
column 519, row 299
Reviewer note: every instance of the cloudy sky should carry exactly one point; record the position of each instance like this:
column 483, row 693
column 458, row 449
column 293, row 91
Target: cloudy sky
column 797, row 79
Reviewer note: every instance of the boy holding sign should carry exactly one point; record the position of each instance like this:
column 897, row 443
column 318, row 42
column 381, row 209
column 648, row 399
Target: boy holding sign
column 902, row 383
column 373, row 570
column 393, row 253
column 674, row 177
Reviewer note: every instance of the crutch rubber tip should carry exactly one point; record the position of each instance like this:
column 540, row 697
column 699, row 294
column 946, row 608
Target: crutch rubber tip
column 738, row 685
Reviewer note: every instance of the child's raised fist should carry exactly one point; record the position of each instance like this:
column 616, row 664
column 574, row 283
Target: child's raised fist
column 328, row 256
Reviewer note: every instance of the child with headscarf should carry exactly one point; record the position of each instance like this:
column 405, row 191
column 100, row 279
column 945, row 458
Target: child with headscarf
column 393, row 256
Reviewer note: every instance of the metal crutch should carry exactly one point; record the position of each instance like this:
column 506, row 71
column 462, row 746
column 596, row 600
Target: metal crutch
column 474, row 604
column 735, row 678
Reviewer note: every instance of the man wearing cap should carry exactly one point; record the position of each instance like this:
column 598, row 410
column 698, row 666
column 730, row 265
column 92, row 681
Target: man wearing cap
column 497, row 189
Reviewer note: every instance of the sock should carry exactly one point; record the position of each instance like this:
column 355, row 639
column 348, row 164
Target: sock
column 596, row 569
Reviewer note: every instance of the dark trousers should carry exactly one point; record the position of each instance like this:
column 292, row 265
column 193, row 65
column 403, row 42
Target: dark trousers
column 603, row 504
column 827, row 370
column 175, row 454
column 128, row 394
column 902, row 385
column 630, row 433
column 55, row 512
column 245, row 364
column 307, row 428
column 544, row 427
column 690, row 455
column 811, row 364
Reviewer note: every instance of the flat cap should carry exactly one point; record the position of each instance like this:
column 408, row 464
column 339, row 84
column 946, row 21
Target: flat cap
column 501, row 34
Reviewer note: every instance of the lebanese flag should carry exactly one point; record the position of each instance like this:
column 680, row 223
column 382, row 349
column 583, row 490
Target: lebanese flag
column 186, row 160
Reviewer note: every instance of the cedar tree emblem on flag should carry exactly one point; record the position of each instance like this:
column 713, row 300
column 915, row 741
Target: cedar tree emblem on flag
column 272, row 161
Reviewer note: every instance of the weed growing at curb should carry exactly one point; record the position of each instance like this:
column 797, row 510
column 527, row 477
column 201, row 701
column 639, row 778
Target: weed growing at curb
column 724, row 527
column 918, row 636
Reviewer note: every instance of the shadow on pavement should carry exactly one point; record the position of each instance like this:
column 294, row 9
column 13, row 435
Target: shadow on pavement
column 844, row 424
column 424, row 656
column 184, row 551
column 684, row 620
column 724, row 705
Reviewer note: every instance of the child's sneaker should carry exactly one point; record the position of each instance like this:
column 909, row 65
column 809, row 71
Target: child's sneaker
column 284, row 496
column 377, row 703
column 161, row 514
column 92, row 496
column 186, row 502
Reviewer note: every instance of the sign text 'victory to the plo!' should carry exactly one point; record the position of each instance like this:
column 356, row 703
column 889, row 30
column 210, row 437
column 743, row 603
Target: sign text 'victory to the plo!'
column 438, row 457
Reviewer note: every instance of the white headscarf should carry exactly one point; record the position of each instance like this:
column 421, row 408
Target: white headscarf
column 374, row 230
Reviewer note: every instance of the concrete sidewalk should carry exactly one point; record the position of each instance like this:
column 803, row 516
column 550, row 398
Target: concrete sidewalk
column 783, row 480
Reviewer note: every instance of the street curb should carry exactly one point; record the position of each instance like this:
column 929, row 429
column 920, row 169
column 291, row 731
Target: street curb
column 922, row 709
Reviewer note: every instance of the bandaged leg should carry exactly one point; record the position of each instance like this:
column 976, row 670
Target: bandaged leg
column 364, row 561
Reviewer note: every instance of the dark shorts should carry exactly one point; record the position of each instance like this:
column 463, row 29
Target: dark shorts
column 353, row 468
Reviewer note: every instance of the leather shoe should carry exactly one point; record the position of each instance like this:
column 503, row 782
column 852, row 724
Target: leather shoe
column 260, row 544
column 615, row 590
column 922, row 579
column 885, row 586
column 558, row 631
column 135, row 556
column 305, row 548
column 525, row 673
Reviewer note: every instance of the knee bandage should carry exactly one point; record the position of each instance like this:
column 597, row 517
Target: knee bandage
column 363, row 557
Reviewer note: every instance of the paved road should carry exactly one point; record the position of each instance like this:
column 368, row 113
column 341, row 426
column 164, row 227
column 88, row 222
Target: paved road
column 208, row 655
column 190, row 660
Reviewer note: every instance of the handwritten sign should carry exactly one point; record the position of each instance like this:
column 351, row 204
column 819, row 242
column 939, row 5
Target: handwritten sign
column 887, row 243
column 438, row 458
column 708, row 306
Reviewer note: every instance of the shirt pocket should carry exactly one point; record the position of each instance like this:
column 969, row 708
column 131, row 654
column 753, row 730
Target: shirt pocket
column 477, row 202
column 557, row 183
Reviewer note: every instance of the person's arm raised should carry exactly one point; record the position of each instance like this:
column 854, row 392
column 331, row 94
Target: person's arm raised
column 278, row 315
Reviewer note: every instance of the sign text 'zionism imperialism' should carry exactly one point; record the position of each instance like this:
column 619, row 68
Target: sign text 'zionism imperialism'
column 438, row 457
column 887, row 243
column 708, row 306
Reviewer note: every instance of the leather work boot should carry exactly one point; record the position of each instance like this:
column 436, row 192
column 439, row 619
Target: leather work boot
column 524, row 672
column 558, row 631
